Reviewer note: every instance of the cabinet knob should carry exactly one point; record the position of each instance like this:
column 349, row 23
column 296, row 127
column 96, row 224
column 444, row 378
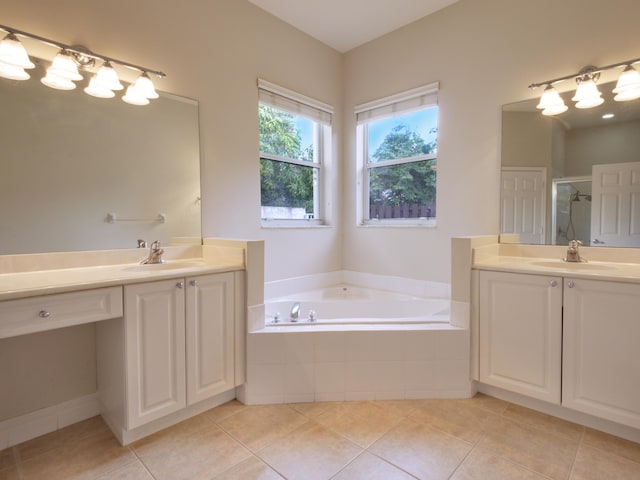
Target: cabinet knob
column 193, row 283
column 570, row 284
column 43, row 314
column 180, row 284
column 553, row 283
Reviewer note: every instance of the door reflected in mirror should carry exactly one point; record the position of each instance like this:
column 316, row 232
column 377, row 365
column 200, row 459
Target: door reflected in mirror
column 542, row 155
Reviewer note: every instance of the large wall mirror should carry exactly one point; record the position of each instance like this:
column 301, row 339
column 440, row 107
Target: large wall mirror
column 84, row 173
column 571, row 176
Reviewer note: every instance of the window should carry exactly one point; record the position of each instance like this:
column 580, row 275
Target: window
column 397, row 150
column 295, row 134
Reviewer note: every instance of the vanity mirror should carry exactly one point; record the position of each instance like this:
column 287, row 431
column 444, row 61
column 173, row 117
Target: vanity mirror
column 560, row 173
column 85, row 173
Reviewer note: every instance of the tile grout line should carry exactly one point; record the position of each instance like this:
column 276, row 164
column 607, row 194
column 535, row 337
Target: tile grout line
column 144, row 465
column 575, row 455
column 18, row 461
column 473, row 447
column 390, row 463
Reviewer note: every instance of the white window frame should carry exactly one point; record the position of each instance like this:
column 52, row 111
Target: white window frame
column 399, row 104
column 321, row 114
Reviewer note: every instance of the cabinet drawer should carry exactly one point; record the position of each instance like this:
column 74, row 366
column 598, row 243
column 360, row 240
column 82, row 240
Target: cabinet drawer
column 47, row 312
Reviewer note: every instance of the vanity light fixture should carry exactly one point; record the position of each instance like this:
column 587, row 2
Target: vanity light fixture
column 587, row 94
column 63, row 71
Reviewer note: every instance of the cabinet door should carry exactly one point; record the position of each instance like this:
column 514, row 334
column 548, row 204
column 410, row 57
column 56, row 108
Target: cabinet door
column 521, row 333
column 155, row 350
column 601, row 370
column 210, row 336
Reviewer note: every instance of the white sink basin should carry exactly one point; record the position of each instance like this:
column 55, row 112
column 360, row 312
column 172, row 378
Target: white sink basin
column 170, row 265
column 574, row 265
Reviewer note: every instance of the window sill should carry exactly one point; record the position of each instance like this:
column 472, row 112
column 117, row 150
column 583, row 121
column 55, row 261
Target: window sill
column 292, row 224
column 398, row 224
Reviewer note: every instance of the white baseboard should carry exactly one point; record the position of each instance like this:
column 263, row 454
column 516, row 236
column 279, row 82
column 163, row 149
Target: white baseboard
column 31, row 425
column 564, row 413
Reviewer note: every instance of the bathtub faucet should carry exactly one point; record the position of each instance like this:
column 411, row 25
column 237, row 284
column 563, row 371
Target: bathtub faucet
column 295, row 312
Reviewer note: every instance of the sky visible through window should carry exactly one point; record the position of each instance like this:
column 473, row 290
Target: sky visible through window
column 305, row 129
column 421, row 122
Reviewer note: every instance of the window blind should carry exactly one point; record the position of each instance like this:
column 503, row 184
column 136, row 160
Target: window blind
column 293, row 102
column 400, row 103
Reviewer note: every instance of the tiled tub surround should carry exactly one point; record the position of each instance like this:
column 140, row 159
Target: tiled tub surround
column 335, row 362
column 26, row 280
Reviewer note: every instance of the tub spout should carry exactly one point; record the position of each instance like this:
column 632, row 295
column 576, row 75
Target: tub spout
column 295, row 312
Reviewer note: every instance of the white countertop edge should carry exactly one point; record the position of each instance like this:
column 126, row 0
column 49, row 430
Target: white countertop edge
column 46, row 282
column 611, row 271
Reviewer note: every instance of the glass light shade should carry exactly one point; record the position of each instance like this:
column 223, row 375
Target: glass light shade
column 107, row 77
column 144, row 86
column 551, row 101
column 12, row 72
column 13, row 53
column 587, row 95
column 628, row 86
column 59, row 83
column 134, row 97
column 555, row 109
column 630, row 94
column 63, row 66
column 96, row 90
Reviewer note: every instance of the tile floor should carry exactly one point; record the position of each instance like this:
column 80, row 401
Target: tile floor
column 480, row 438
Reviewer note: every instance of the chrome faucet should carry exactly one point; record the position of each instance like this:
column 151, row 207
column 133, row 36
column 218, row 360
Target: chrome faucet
column 295, row 312
column 573, row 254
column 155, row 254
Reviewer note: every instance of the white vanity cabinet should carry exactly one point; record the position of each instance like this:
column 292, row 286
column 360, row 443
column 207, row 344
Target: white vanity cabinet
column 601, row 357
column 209, row 336
column 179, row 350
column 521, row 333
column 154, row 319
column 568, row 341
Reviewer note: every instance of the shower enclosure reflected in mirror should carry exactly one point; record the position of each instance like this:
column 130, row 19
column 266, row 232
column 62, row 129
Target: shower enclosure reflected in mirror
column 571, row 210
column 542, row 155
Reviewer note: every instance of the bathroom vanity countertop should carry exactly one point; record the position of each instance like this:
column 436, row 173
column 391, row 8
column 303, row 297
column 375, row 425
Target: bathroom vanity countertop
column 612, row 271
column 44, row 282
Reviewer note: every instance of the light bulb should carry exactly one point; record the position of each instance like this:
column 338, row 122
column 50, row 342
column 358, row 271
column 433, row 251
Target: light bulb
column 551, row 102
column 587, row 94
column 59, row 83
column 13, row 53
column 144, row 86
column 134, row 97
column 63, row 66
column 107, row 77
column 628, row 86
column 12, row 72
column 96, row 90
column 555, row 109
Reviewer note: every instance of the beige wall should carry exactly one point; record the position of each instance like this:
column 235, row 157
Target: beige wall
column 615, row 143
column 526, row 140
column 484, row 53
